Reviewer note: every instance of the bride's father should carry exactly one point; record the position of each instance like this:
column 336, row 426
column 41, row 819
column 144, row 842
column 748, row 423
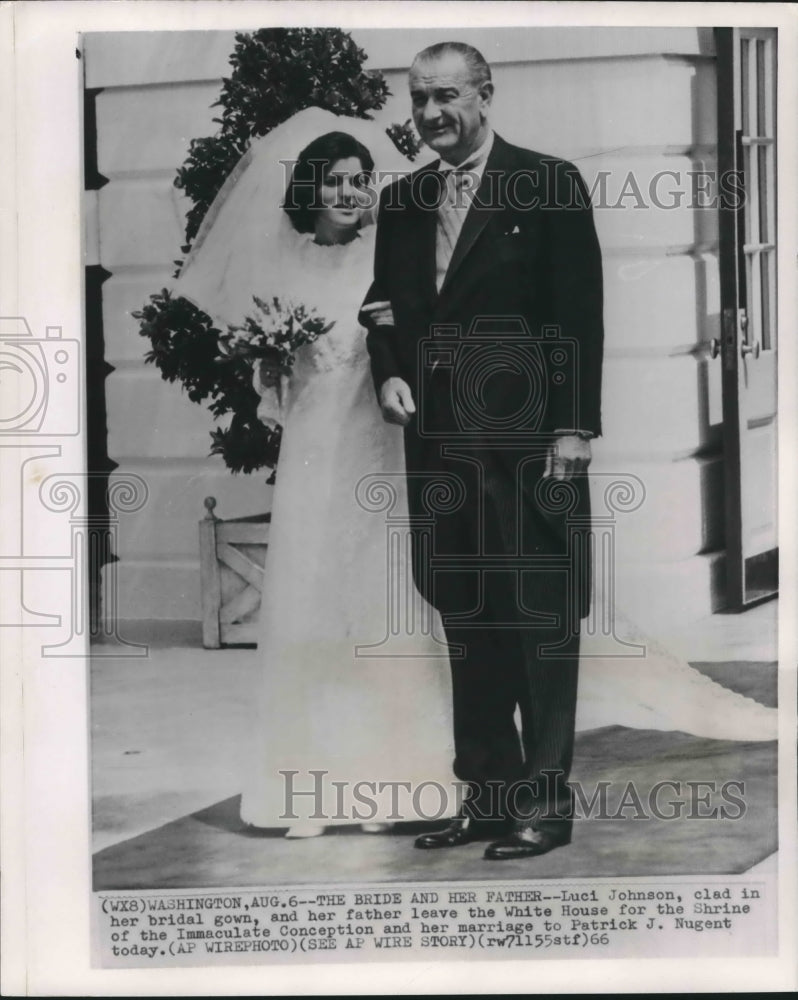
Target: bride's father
column 490, row 356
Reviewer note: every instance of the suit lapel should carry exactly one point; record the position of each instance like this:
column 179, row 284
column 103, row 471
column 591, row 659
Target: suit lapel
column 487, row 201
column 423, row 219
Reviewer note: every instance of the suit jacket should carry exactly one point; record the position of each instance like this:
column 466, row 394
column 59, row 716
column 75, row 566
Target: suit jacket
column 510, row 350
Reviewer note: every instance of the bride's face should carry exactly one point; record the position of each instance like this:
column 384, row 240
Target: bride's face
column 342, row 197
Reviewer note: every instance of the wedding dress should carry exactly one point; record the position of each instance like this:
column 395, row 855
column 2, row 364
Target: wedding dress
column 355, row 676
column 347, row 696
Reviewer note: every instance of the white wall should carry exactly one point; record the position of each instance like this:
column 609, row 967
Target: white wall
column 620, row 100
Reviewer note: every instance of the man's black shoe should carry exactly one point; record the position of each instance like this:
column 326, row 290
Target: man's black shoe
column 463, row 829
column 530, row 842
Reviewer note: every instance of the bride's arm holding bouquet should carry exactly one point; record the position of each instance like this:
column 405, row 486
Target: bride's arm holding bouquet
column 271, row 385
column 269, row 340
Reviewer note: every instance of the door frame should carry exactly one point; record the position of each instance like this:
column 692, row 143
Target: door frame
column 732, row 283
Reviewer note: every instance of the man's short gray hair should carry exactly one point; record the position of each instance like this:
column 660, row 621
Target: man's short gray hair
column 478, row 68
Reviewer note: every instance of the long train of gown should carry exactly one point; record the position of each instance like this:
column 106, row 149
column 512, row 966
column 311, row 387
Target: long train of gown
column 660, row 690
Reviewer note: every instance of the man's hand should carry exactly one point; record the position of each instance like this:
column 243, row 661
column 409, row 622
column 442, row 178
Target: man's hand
column 568, row 455
column 396, row 401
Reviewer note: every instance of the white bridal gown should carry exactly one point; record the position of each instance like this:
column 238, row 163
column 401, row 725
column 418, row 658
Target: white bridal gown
column 326, row 706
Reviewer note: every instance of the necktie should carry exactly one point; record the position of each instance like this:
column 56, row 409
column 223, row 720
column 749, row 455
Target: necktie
column 460, row 187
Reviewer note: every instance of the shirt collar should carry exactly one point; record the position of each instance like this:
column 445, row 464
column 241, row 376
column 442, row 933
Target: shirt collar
column 476, row 160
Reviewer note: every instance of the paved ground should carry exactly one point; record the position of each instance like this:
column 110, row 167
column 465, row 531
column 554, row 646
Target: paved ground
column 169, row 730
column 213, row 848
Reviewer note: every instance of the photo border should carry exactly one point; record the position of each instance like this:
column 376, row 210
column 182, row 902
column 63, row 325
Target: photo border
column 46, row 766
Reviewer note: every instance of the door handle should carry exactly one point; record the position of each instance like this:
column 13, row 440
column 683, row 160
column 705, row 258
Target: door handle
column 714, row 347
column 746, row 347
column 753, row 349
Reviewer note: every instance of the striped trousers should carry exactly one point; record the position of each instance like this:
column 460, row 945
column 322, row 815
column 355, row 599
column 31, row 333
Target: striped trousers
column 521, row 774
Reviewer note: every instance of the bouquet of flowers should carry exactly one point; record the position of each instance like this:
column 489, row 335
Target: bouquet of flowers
column 273, row 334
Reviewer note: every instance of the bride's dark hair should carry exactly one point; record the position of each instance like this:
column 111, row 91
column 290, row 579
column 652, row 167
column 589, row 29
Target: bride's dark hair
column 312, row 165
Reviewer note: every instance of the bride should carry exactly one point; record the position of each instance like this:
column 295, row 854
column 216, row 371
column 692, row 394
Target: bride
column 356, row 692
column 354, row 715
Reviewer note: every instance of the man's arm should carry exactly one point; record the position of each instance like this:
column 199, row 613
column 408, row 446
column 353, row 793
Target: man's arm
column 576, row 298
column 576, row 290
column 376, row 315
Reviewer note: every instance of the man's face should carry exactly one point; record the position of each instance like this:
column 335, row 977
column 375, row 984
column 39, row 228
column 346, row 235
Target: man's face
column 449, row 111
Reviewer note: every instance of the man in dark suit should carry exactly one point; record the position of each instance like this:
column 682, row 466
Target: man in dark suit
column 485, row 336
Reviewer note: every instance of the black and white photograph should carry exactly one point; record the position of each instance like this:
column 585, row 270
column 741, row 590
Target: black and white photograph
column 421, row 580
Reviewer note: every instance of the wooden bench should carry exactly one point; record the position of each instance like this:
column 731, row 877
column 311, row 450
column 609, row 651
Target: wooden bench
column 232, row 557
